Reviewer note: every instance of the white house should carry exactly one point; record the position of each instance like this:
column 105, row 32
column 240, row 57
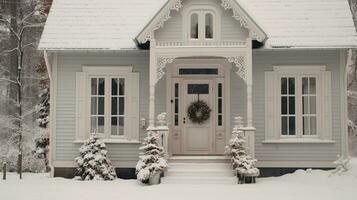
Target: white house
column 116, row 64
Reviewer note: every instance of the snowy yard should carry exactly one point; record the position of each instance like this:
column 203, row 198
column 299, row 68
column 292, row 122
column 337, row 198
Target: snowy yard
column 315, row 184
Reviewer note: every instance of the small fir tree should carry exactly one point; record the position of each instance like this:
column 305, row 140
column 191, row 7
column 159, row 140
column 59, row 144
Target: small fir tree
column 42, row 140
column 241, row 161
column 152, row 160
column 93, row 163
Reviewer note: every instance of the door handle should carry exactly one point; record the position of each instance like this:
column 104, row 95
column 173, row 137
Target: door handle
column 184, row 120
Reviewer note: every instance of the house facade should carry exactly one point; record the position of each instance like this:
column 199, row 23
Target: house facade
column 116, row 65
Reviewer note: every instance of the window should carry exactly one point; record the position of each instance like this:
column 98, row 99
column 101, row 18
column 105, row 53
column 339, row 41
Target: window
column 107, row 102
column 220, row 104
column 177, row 105
column 209, row 26
column 194, row 26
column 201, row 23
column 292, row 111
column 288, row 115
column 198, row 71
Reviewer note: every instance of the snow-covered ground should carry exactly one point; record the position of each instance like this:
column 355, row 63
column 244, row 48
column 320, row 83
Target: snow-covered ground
column 310, row 184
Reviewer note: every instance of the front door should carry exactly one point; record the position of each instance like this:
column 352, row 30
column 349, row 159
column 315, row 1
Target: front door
column 198, row 137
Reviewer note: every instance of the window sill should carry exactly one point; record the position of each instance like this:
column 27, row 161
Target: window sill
column 298, row 141
column 113, row 141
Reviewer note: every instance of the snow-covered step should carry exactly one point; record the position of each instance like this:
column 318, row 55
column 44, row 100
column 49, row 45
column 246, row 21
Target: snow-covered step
column 199, row 170
column 199, row 159
column 199, row 180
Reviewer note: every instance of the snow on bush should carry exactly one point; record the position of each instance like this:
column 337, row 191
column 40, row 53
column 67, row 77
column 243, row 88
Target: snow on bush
column 241, row 161
column 93, row 162
column 152, row 160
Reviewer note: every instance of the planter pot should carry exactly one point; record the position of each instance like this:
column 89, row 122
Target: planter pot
column 155, row 179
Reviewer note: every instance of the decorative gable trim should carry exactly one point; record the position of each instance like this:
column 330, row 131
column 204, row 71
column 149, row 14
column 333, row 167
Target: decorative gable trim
column 164, row 14
column 158, row 21
column 244, row 19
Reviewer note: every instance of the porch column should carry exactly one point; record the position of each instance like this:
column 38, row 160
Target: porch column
column 152, row 83
column 249, row 67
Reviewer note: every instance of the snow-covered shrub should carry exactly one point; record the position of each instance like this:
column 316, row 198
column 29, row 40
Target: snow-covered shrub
column 93, row 162
column 151, row 161
column 241, row 161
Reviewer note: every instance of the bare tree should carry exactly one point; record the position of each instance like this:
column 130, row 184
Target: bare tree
column 23, row 24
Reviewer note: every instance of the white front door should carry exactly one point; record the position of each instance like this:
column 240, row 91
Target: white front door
column 198, row 137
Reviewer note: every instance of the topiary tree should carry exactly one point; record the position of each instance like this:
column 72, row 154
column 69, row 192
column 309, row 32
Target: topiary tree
column 93, row 163
column 152, row 162
column 242, row 162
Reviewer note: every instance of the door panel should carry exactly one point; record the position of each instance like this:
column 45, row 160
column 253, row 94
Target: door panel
column 198, row 138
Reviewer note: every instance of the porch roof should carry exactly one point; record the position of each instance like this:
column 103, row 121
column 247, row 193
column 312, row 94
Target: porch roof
column 113, row 24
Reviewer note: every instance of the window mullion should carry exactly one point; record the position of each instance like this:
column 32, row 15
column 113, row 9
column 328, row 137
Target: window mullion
column 107, row 106
column 299, row 118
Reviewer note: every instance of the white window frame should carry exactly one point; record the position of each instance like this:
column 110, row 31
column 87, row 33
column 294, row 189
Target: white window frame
column 298, row 72
column 108, row 73
column 201, row 10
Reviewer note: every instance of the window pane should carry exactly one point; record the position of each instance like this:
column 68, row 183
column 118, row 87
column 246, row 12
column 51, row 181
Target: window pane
column 209, row 26
column 100, row 105
column 284, row 85
column 176, row 105
column 121, row 86
column 101, row 83
column 114, row 106
column 313, row 126
column 121, row 105
column 220, row 120
column 198, row 71
column 176, row 89
column 284, row 125
column 313, row 105
column 114, row 124
column 100, row 124
column 121, row 125
column 305, row 126
column 194, row 26
column 114, row 86
column 291, row 85
column 284, row 105
column 94, row 86
column 219, row 89
column 305, row 86
column 305, row 105
column 176, row 120
column 291, row 125
column 291, row 105
column 198, row 88
column 312, row 85
column 93, row 106
column 93, row 124
column 220, row 106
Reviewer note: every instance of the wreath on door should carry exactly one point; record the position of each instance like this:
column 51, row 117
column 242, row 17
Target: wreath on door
column 198, row 112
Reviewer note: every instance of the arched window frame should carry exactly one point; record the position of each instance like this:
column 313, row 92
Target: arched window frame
column 201, row 11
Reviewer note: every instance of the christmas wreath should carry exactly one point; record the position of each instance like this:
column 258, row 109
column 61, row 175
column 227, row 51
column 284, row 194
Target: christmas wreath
column 199, row 112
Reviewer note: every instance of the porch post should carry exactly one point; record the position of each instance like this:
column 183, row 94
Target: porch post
column 249, row 67
column 152, row 83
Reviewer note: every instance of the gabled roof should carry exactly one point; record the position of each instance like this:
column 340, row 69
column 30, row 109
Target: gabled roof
column 114, row 24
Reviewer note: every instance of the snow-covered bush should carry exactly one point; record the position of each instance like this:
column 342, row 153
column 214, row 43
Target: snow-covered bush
column 241, row 161
column 152, row 160
column 93, row 162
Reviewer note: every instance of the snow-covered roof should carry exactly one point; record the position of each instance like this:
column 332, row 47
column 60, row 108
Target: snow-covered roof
column 114, row 24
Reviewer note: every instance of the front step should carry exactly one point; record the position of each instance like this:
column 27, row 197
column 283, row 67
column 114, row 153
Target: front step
column 199, row 170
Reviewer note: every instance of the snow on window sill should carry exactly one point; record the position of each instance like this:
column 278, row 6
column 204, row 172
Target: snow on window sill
column 298, row 140
column 114, row 141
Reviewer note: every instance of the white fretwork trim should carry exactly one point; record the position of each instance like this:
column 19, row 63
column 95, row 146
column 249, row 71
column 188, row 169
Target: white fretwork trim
column 176, row 5
column 228, row 4
column 160, row 65
column 240, row 63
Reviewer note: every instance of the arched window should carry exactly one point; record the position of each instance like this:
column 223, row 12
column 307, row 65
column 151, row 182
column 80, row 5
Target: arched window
column 194, row 26
column 209, row 26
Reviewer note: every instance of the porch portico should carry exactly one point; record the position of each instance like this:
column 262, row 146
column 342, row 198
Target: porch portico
column 238, row 55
